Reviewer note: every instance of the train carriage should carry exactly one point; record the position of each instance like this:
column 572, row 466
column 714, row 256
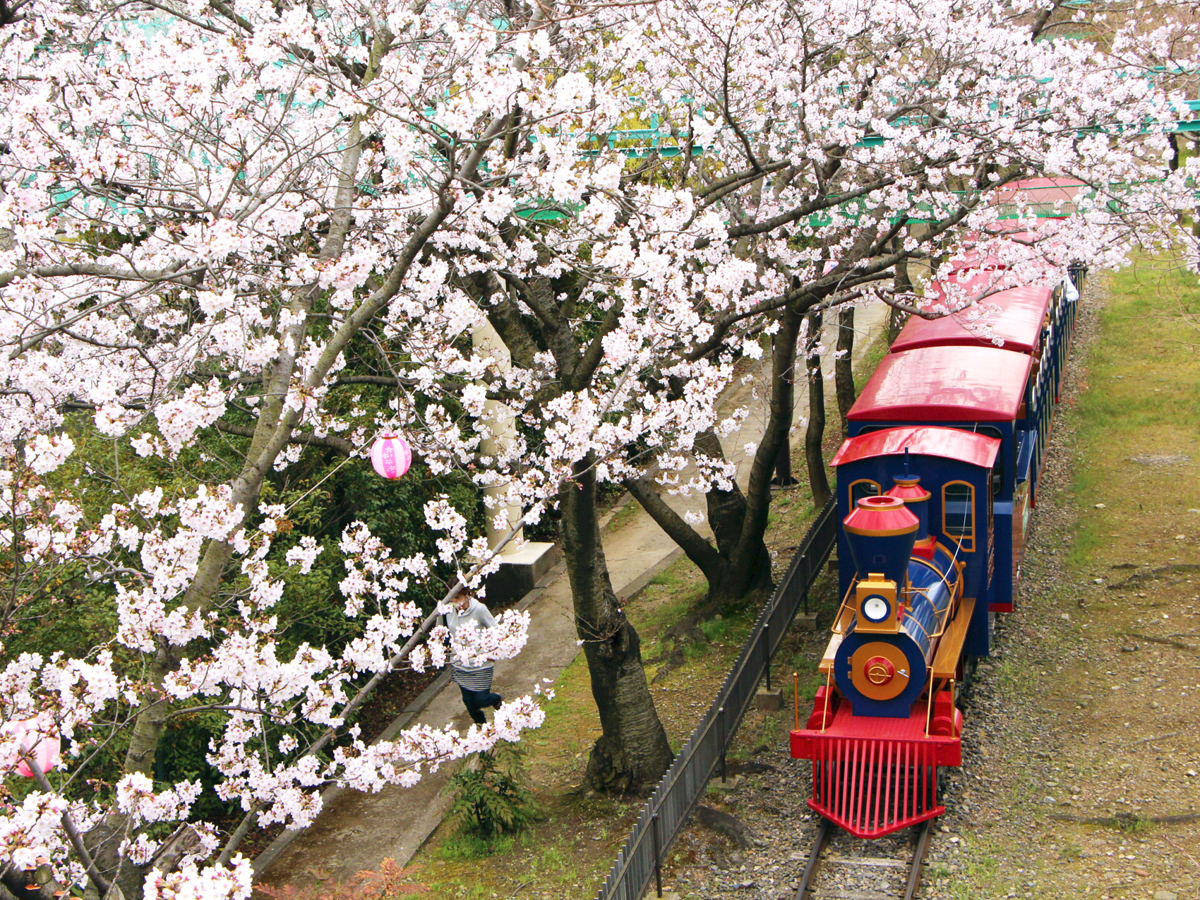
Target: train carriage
column 986, row 390
column 1021, row 320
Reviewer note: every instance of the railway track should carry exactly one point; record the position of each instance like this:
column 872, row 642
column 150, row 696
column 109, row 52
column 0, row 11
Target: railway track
column 839, row 869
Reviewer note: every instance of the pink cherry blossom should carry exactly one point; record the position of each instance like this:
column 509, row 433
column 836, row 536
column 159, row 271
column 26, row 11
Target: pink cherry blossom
column 218, row 226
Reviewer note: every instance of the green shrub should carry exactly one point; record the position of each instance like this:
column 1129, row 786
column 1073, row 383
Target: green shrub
column 492, row 797
column 714, row 629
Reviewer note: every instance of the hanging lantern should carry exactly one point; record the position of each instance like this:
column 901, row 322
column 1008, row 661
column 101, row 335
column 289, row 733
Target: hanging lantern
column 390, row 455
column 31, row 736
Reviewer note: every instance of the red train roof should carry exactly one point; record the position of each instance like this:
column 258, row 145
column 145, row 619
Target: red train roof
column 945, row 384
column 971, row 282
column 921, row 440
column 1018, row 323
column 1043, row 192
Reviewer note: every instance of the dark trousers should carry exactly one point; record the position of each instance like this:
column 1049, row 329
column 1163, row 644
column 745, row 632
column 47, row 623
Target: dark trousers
column 477, row 701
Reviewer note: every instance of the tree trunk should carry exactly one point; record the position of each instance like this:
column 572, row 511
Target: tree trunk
column 749, row 562
column 815, row 435
column 727, row 516
column 783, row 459
column 632, row 752
column 843, row 366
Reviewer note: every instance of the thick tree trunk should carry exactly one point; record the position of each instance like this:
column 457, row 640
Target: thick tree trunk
column 632, row 752
column 727, row 516
column 783, row 465
column 843, row 366
column 815, row 435
column 783, row 459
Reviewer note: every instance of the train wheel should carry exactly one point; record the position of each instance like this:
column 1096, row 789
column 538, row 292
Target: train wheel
column 941, row 726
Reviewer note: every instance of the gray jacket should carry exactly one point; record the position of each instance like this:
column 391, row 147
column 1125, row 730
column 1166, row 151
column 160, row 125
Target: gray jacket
column 475, row 612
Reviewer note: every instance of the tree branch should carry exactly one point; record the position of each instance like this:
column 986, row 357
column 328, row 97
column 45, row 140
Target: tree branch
column 68, row 823
column 698, row 550
column 329, row 442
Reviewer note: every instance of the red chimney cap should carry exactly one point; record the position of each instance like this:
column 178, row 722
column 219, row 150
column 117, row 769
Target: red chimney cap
column 880, row 516
column 908, row 490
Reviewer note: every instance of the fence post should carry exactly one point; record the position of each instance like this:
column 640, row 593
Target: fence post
column 804, row 596
column 721, row 718
column 657, row 860
column 767, row 650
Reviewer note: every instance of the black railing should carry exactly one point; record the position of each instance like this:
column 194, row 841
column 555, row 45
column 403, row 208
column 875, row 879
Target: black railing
column 663, row 816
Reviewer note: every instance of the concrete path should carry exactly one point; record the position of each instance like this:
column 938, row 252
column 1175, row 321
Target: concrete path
column 357, row 831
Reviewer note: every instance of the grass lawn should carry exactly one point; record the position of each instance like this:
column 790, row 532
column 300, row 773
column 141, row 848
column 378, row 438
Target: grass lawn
column 1140, row 427
column 1085, row 786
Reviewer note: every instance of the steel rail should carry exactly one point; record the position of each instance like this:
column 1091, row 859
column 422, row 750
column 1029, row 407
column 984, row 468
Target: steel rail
column 825, row 831
column 920, row 848
column 814, row 859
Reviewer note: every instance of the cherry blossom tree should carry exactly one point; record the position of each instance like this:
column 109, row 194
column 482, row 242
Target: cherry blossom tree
column 226, row 221
column 206, row 208
column 879, row 134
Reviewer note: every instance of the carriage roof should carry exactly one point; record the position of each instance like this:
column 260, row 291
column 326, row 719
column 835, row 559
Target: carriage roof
column 945, row 384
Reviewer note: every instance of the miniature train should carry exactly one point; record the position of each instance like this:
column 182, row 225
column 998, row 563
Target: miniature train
column 936, row 483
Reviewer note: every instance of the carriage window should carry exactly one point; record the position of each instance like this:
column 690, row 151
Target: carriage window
column 958, row 514
column 860, row 489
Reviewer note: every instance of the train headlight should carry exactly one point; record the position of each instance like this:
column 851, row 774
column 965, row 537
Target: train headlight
column 875, row 608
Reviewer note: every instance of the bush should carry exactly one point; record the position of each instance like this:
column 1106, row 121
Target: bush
column 491, row 798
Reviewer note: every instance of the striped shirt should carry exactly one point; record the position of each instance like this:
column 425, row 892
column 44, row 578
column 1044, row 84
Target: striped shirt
column 473, row 679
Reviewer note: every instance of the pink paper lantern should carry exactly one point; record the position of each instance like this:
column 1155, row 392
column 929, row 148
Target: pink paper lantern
column 390, row 455
column 31, row 735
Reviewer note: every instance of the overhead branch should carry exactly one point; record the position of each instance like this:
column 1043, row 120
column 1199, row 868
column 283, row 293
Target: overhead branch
column 173, row 274
column 805, row 210
column 329, row 442
column 505, row 317
column 530, row 298
column 594, row 354
column 68, row 824
column 228, row 12
column 1042, row 19
column 10, row 13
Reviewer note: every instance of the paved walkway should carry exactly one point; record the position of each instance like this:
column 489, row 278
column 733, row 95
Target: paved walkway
column 357, row 831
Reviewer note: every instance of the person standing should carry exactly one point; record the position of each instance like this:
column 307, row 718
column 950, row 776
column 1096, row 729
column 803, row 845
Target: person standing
column 475, row 682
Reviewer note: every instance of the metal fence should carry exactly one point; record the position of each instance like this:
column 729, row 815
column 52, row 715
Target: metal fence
column 663, row 816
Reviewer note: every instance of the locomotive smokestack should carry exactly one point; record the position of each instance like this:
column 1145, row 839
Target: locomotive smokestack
column 916, row 500
column 881, row 532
